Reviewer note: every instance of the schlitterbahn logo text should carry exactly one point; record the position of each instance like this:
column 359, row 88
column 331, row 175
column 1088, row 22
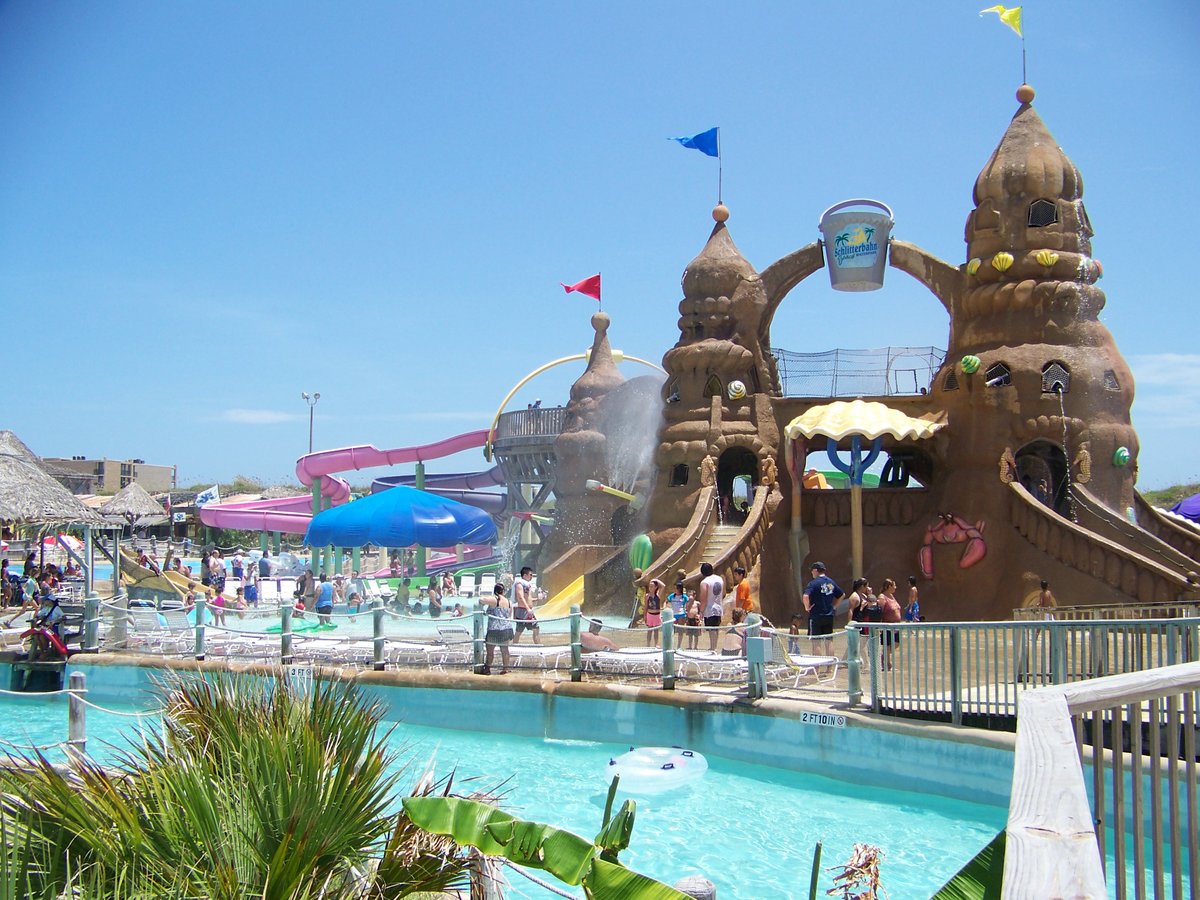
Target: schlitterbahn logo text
column 855, row 247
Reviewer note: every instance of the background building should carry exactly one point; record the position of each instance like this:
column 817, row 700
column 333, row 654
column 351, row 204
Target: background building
column 113, row 474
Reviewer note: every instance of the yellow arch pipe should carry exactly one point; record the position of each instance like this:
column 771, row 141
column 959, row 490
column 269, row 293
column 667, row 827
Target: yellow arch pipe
column 617, row 355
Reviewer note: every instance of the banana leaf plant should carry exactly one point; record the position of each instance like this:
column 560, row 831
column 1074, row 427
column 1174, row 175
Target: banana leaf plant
column 980, row 879
column 571, row 859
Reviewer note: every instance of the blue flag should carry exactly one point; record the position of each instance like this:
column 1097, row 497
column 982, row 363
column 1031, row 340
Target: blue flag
column 706, row 142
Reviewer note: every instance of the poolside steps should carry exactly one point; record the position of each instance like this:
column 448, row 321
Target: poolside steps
column 719, row 540
column 37, row 676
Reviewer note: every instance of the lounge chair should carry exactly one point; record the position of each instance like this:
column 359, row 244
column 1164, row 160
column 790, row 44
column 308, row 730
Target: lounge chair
column 151, row 631
column 466, row 585
column 487, row 584
column 646, row 662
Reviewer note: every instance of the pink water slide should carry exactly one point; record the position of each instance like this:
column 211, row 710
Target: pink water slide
column 291, row 515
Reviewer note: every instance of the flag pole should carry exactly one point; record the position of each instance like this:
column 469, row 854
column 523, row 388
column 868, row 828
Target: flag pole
column 720, row 168
column 599, row 302
column 1024, row 77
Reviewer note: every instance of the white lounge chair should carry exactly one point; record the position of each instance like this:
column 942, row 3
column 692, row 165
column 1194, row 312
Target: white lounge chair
column 466, row 585
column 487, row 584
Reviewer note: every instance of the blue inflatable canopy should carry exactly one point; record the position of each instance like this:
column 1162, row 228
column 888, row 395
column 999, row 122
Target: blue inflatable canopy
column 399, row 517
column 1189, row 508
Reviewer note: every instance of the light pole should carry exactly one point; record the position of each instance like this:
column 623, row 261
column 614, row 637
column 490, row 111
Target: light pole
column 311, row 400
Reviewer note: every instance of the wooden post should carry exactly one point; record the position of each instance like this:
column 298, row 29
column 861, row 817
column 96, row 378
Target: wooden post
column 285, row 634
column 853, row 676
column 77, row 714
column 668, row 650
column 479, row 628
column 201, row 607
column 576, row 644
column 377, row 614
column 91, row 623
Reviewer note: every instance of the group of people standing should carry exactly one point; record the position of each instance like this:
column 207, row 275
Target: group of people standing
column 703, row 608
column 822, row 595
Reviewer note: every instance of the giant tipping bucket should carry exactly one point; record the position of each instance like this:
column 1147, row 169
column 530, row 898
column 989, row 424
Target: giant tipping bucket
column 856, row 244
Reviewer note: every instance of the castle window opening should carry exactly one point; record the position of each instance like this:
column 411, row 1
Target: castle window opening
column 1110, row 382
column 951, row 381
column 986, row 217
column 998, row 375
column 1042, row 213
column 1056, row 378
column 679, row 475
column 713, row 387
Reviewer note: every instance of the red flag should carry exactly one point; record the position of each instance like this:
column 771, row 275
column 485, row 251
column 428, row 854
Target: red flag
column 589, row 286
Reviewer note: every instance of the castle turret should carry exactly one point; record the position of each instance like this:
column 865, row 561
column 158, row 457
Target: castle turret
column 1051, row 389
column 583, row 517
column 718, row 424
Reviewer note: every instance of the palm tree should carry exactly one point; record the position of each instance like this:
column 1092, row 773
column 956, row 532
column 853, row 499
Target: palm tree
column 253, row 790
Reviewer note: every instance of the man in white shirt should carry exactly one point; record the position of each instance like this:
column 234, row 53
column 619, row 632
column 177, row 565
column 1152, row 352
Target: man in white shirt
column 523, row 607
column 712, row 602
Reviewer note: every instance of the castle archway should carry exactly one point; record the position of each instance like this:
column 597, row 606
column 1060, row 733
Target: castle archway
column 1042, row 470
column 734, row 465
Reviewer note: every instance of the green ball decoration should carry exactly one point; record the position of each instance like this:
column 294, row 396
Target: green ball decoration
column 970, row 364
column 1121, row 457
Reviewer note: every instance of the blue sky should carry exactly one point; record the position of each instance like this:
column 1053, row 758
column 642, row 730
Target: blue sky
column 207, row 208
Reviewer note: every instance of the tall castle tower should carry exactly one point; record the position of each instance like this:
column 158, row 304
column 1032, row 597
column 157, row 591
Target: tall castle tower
column 718, row 420
column 1051, row 388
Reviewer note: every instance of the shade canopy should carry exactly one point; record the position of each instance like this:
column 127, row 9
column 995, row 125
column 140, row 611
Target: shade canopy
column 399, row 517
column 1189, row 508
column 869, row 419
column 28, row 496
column 132, row 504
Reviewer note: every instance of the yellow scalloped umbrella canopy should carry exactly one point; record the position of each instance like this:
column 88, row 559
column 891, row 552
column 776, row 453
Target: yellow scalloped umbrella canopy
column 871, row 419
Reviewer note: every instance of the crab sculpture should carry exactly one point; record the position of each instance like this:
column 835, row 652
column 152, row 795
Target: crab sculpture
column 952, row 529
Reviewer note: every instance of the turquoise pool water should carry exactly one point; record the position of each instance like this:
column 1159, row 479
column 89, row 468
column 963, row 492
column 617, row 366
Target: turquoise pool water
column 748, row 826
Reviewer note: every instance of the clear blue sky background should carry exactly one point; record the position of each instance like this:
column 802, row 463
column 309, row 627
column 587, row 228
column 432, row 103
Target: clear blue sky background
column 209, row 207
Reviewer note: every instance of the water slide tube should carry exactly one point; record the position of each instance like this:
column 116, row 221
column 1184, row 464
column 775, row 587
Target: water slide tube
column 465, row 487
column 291, row 515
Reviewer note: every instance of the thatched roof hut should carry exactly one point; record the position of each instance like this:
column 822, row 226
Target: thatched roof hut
column 28, row 496
column 133, row 505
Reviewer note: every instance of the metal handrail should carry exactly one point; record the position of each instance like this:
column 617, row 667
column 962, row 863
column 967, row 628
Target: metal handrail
column 975, row 672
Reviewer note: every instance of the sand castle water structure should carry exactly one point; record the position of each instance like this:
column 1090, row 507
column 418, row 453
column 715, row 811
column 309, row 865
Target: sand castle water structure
column 1017, row 463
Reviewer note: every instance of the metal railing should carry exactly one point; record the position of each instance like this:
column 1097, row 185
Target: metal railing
column 1180, row 610
column 1136, row 732
column 974, row 672
column 525, row 423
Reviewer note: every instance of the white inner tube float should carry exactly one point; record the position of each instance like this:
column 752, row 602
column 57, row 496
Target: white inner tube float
column 652, row 770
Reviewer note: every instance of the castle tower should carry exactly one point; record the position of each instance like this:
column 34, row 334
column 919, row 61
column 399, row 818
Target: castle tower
column 1051, row 388
column 584, row 517
column 718, row 422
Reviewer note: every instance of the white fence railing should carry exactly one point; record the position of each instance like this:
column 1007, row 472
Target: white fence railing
column 1136, row 732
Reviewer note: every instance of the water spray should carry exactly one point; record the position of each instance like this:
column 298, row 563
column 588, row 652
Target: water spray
column 635, row 501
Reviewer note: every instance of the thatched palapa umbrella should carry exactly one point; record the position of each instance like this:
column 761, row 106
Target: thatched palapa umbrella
column 134, row 506
column 30, row 497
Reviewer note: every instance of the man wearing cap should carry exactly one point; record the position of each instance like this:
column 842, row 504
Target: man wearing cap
column 820, row 598
column 523, row 607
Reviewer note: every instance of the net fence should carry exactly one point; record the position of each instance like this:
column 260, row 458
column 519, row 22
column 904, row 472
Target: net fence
column 883, row 372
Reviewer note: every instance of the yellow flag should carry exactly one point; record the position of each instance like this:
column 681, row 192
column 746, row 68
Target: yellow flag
column 1010, row 17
